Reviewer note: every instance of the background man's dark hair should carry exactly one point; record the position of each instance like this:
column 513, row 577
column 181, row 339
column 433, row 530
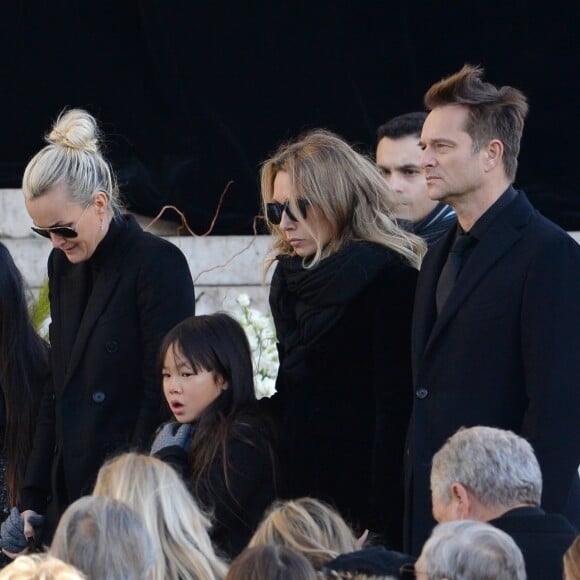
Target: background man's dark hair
column 402, row 125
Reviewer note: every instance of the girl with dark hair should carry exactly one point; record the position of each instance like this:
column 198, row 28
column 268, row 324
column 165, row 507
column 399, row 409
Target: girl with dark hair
column 218, row 440
column 23, row 371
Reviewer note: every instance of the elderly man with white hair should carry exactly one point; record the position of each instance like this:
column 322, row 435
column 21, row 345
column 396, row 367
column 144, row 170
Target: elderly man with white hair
column 492, row 475
column 468, row 550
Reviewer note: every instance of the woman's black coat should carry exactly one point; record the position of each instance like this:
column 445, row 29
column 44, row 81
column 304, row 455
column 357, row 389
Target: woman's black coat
column 105, row 393
column 343, row 409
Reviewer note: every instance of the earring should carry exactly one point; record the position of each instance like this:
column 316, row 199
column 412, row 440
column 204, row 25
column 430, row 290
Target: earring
column 102, row 226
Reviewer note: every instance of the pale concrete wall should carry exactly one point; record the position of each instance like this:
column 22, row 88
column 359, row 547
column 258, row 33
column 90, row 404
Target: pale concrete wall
column 222, row 266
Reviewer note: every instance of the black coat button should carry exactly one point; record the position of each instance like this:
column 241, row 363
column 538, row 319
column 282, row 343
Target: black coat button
column 98, row 397
column 421, row 393
column 112, row 346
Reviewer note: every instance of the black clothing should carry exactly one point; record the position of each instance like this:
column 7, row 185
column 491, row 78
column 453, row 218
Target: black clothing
column 106, row 327
column 343, row 387
column 238, row 507
column 543, row 539
column 373, row 561
column 504, row 351
column 455, row 259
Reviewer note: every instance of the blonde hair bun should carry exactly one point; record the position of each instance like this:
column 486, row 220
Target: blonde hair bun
column 75, row 129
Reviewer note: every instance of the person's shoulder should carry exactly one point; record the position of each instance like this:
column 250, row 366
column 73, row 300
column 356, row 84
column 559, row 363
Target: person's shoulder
column 146, row 247
column 250, row 427
column 249, row 421
column 396, row 268
column 152, row 241
column 548, row 243
column 536, row 224
column 551, row 232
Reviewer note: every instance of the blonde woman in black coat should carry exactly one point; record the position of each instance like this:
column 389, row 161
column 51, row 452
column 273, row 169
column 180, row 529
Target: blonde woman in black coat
column 114, row 293
column 341, row 297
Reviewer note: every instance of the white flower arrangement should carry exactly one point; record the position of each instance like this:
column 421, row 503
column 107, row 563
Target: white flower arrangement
column 259, row 328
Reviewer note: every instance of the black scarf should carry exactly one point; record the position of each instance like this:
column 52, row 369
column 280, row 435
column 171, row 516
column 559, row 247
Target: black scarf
column 308, row 303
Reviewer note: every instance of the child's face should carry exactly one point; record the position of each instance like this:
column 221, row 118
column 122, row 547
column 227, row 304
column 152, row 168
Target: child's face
column 188, row 393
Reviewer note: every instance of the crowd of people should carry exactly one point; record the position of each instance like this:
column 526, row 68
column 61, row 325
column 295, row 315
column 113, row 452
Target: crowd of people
column 425, row 420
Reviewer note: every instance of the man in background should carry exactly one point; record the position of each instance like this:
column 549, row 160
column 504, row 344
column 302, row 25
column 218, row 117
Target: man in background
column 398, row 158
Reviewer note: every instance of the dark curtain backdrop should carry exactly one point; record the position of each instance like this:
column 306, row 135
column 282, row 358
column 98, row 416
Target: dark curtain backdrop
column 194, row 94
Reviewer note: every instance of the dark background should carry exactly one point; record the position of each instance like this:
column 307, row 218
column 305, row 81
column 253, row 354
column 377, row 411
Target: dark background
column 192, row 95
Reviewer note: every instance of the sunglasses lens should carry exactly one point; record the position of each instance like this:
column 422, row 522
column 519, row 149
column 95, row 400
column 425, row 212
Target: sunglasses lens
column 40, row 232
column 64, row 231
column 302, row 204
column 274, row 213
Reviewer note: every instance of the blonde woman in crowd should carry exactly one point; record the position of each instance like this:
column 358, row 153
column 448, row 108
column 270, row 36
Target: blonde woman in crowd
column 341, row 297
column 178, row 529
column 307, row 526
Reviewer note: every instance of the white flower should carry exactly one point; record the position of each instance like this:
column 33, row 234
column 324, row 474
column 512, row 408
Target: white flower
column 265, row 387
column 261, row 333
column 243, row 300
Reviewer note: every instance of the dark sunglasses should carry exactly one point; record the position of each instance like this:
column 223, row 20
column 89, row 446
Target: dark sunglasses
column 275, row 210
column 63, row 231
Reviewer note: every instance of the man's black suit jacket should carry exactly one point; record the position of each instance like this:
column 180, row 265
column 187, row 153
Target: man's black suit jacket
column 504, row 352
column 543, row 539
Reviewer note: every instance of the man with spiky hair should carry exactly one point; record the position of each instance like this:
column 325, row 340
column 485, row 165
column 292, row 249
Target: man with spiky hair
column 496, row 323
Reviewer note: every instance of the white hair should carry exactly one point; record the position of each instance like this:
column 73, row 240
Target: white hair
column 104, row 538
column 497, row 466
column 470, row 550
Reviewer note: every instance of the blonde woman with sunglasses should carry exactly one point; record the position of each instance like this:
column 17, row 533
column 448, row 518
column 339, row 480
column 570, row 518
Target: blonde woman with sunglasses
column 114, row 293
column 341, row 297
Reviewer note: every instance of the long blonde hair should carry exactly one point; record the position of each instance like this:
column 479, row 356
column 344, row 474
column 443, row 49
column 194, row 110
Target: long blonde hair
column 346, row 188
column 308, row 526
column 72, row 157
column 178, row 528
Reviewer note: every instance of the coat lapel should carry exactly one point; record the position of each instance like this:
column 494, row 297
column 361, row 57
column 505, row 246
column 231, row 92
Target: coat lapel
column 69, row 287
column 104, row 285
column 425, row 314
column 503, row 233
column 102, row 290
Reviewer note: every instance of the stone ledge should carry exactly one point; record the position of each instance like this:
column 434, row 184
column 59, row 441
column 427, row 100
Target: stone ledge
column 213, row 260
